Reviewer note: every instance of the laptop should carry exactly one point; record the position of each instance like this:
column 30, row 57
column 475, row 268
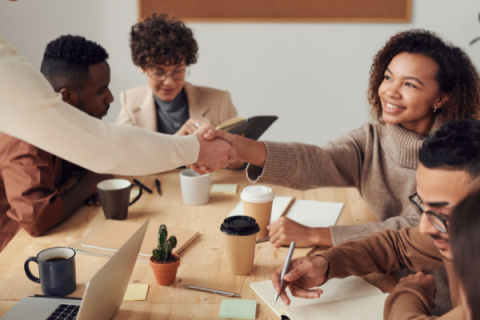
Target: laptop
column 103, row 295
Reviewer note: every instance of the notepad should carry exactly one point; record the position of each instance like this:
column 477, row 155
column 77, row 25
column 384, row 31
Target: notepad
column 224, row 188
column 313, row 214
column 349, row 298
column 112, row 234
column 238, row 309
column 136, row 292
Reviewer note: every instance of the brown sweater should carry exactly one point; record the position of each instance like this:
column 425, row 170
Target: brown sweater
column 388, row 250
column 379, row 160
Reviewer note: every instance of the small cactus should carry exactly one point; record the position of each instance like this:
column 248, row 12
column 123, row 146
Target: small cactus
column 163, row 251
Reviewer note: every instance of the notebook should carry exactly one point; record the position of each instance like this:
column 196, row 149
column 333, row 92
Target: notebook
column 314, row 214
column 112, row 234
column 349, row 298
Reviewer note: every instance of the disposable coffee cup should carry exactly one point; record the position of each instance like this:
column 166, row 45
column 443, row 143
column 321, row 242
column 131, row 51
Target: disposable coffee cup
column 115, row 195
column 257, row 203
column 195, row 188
column 56, row 269
column 239, row 241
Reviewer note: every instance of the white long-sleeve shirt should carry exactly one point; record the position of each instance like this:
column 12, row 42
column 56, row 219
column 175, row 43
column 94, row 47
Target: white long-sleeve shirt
column 30, row 110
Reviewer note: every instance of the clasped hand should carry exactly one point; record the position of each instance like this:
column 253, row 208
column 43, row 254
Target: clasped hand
column 214, row 154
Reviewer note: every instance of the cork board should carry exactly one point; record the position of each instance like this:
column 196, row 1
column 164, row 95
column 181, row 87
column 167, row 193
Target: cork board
column 280, row 10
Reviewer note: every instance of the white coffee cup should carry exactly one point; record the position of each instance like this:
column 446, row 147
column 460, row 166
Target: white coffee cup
column 257, row 203
column 195, row 187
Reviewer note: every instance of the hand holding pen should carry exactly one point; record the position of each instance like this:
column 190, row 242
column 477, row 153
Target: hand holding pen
column 302, row 274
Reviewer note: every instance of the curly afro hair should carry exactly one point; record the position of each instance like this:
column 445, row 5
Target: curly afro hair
column 456, row 74
column 162, row 40
column 67, row 59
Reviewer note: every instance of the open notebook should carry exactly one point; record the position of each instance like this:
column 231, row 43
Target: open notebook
column 342, row 299
column 112, row 234
column 314, row 214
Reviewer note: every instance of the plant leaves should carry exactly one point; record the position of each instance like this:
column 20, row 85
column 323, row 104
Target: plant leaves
column 155, row 254
column 173, row 241
column 162, row 235
column 474, row 40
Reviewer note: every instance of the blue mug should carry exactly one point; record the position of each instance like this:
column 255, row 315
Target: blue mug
column 56, row 268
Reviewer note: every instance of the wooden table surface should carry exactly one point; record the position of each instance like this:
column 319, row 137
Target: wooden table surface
column 202, row 261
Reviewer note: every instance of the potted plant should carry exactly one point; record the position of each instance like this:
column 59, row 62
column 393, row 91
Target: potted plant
column 163, row 262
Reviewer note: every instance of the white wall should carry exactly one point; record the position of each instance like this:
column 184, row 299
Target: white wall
column 313, row 76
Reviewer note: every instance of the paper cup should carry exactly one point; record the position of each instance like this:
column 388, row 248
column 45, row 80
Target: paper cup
column 257, row 203
column 239, row 243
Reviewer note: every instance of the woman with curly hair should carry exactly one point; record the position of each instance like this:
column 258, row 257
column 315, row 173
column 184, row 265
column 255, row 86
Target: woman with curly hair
column 163, row 48
column 417, row 82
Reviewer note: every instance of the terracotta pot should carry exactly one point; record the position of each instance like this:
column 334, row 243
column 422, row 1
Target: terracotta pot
column 165, row 273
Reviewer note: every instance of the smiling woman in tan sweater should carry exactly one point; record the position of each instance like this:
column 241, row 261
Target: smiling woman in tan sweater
column 417, row 82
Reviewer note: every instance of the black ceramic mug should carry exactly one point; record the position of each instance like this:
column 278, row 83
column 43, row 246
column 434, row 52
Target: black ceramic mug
column 114, row 196
column 56, row 268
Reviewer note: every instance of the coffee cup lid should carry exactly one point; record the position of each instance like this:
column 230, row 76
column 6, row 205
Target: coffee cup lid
column 257, row 194
column 239, row 226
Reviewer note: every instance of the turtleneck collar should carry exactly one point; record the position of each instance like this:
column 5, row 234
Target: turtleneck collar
column 403, row 145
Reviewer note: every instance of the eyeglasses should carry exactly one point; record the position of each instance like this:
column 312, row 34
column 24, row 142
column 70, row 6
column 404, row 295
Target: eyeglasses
column 160, row 75
column 437, row 221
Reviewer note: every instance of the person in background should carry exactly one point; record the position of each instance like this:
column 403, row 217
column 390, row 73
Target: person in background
column 465, row 241
column 29, row 176
column 449, row 171
column 163, row 49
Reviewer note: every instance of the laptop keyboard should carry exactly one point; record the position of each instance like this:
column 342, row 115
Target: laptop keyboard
column 65, row 312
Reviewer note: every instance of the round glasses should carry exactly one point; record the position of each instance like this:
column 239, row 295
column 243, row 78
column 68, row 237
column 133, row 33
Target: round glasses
column 160, row 75
column 437, row 221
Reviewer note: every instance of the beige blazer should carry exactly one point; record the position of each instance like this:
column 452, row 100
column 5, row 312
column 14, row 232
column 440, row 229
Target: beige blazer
column 205, row 104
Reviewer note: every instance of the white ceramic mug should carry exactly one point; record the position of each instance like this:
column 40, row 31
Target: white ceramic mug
column 195, row 187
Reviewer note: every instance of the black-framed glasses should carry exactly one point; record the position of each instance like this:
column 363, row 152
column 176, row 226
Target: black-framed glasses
column 160, row 75
column 437, row 221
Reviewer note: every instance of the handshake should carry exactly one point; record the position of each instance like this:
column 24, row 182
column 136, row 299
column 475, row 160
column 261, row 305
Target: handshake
column 216, row 149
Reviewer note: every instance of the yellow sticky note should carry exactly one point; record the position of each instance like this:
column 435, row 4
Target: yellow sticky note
column 136, row 292
column 224, row 188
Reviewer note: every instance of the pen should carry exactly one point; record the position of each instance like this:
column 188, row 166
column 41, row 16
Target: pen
column 157, row 183
column 223, row 293
column 285, row 269
column 142, row 185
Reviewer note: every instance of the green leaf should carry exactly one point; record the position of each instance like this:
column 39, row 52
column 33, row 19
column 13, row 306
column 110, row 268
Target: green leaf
column 173, row 241
column 155, row 254
column 162, row 235
column 168, row 249
column 163, row 255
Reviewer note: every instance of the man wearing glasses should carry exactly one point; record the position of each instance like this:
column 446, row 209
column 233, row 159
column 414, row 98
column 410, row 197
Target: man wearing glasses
column 449, row 170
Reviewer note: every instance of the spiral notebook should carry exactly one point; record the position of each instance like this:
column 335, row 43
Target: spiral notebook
column 342, row 299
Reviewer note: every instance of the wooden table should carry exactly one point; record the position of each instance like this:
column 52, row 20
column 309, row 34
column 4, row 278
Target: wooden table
column 202, row 261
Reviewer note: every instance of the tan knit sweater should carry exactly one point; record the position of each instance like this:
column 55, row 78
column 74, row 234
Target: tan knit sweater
column 379, row 160
column 32, row 111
